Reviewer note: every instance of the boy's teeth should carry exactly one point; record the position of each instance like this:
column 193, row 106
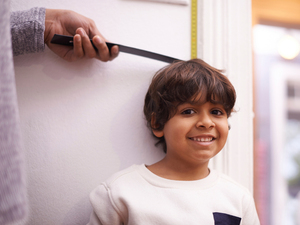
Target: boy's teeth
column 203, row 139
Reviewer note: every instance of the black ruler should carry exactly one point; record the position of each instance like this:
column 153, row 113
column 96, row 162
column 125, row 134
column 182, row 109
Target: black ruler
column 68, row 40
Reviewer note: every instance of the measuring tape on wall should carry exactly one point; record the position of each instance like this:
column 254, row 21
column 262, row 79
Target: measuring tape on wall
column 194, row 29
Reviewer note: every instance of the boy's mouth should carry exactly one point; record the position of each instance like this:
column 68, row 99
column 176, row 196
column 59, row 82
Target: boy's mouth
column 202, row 139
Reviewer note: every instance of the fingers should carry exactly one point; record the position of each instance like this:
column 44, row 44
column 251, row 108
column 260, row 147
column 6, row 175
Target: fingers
column 103, row 51
column 65, row 22
column 87, row 46
column 104, row 54
column 86, row 49
column 78, row 51
column 114, row 52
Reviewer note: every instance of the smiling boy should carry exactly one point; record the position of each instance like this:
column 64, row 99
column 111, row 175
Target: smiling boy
column 186, row 107
column 195, row 134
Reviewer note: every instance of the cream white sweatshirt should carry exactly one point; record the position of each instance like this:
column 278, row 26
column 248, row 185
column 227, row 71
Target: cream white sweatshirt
column 136, row 196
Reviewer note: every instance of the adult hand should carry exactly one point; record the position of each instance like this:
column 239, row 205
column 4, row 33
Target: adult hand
column 67, row 22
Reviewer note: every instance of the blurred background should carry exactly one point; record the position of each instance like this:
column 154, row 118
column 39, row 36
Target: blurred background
column 276, row 46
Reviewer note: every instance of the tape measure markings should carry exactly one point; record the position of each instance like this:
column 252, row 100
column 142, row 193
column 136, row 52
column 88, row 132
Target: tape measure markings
column 194, row 28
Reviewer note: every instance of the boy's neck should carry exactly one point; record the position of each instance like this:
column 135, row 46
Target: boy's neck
column 173, row 171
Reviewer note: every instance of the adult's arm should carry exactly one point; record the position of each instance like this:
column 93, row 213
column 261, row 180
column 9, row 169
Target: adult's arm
column 27, row 31
column 33, row 28
column 13, row 203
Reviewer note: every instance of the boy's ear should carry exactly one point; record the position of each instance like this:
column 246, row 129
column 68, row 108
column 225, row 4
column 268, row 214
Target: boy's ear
column 157, row 133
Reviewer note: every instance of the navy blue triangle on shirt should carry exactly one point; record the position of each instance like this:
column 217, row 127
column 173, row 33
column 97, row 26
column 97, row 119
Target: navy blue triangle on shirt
column 226, row 219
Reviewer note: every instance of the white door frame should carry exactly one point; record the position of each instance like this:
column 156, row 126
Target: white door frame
column 224, row 41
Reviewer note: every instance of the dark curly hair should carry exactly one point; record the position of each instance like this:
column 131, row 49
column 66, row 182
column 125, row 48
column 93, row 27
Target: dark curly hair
column 181, row 82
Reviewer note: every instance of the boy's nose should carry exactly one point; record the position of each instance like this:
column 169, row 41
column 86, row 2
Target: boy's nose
column 205, row 121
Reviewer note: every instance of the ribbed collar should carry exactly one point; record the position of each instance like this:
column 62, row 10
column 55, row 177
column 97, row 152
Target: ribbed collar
column 155, row 180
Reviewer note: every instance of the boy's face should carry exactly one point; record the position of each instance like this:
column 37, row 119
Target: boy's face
column 196, row 133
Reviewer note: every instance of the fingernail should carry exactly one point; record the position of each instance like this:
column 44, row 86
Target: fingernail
column 77, row 38
column 82, row 32
column 97, row 40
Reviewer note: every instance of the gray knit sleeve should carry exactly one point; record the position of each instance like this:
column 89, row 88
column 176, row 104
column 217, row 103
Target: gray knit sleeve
column 27, row 31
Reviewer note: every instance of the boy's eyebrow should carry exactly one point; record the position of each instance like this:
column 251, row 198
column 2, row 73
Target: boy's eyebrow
column 186, row 104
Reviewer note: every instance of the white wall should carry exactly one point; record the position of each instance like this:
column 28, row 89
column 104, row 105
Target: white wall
column 83, row 121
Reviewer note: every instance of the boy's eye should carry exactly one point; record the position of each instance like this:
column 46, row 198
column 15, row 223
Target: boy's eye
column 217, row 112
column 188, row 112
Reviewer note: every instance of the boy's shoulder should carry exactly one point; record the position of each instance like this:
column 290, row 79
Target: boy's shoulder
column 228, row 183
column 125, row 174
